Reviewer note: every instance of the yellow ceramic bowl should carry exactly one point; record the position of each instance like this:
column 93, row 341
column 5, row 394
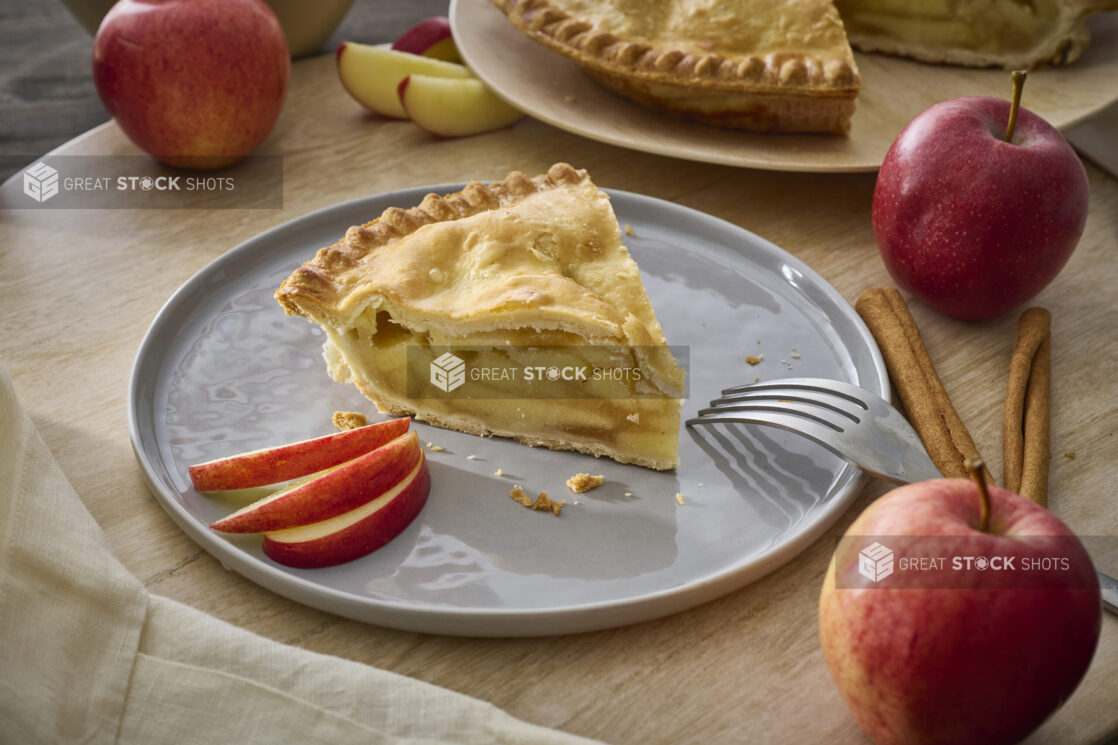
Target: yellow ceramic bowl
column 306, row 23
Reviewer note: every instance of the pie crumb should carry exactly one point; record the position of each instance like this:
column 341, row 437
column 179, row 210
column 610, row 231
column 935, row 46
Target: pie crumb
column 756, row 378
column 581, row 482
column 499, row 472
column 628, row 494
column 347, row 420
column 635, row 417
column 795, row 355
column 679, row 498
column 434, row 448
column 542, row 504
column 471, row 457
column 1070, row 455
column 629, row 231
column 518, row 495
column 754, row 359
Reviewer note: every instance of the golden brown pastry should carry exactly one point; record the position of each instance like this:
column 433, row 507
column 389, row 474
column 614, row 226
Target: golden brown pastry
column 751, row 64
column 503, row 268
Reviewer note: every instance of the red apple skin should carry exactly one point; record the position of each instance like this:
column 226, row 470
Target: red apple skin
column 426, row 37
column 195, row 83
column 959, row 665
column 401, row 87
column 286, row 462
column 361, row 538
column 971, row 224
column 353, row 484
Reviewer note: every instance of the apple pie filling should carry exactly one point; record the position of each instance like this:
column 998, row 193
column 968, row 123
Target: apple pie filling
column 1010, row 33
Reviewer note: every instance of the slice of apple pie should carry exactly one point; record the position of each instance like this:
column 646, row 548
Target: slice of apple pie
column 524, row 276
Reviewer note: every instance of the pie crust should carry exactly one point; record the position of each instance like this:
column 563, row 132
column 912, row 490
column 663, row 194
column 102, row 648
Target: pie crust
column 717, row 63
column 524, row 263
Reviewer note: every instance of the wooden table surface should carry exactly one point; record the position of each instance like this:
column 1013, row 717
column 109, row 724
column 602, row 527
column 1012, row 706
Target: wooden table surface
column 78, row 289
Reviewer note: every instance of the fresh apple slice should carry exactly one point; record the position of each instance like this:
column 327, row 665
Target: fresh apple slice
column 355, row 533
column 431, row 38
column 252, row 493
column 339, row 490
column 451, row 107
column 372, row 74
column 286, row 462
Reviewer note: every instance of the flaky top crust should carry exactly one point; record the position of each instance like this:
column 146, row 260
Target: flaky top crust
column 796, row 46
column 504, row 261
column 320, row 287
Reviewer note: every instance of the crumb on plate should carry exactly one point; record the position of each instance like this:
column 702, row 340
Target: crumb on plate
column 542, row 504
column 581, row 482
column 347, row 420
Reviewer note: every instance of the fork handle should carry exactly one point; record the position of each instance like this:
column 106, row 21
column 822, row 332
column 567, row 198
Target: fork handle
column 1109, row 587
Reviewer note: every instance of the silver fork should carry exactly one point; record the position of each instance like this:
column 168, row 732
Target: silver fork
column 851, row 422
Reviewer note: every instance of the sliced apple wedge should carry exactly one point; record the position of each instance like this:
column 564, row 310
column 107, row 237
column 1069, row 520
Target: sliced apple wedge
column 451, row 107
column 337, row 491
column 355, row 533
column 291, row 461
column 253, row 493
column 431, row 38
column 371, row 74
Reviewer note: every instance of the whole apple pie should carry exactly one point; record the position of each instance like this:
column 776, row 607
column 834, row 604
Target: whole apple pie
column 787, row 65
column 511, row 268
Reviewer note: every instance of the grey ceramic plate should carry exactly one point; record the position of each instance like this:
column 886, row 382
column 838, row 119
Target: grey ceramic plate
column 223, row 370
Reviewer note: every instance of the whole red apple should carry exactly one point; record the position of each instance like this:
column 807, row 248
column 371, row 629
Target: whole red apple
column 979, row 653
column 970, row 223
column 196, row 83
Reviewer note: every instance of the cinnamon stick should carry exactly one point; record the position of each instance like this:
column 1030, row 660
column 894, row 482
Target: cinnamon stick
column 914, row 377
column 1026, row 427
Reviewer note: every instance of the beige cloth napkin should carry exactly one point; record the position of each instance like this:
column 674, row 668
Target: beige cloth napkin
column 88, row 656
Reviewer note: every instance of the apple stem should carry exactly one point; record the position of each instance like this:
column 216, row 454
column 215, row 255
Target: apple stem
column 1018, row 77
column 974, row 467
